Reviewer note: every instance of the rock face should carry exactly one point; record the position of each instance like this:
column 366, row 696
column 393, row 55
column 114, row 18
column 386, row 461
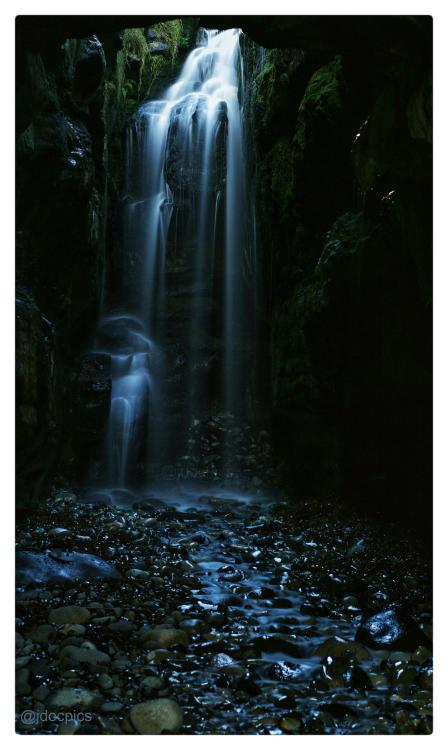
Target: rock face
column 343, row 179
column 61, row 192
column 36, row 388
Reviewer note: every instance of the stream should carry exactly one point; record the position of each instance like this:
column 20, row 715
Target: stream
column 196, row 609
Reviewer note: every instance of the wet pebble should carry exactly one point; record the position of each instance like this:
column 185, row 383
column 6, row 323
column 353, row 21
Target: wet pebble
column 157, row 716
column 71, row 615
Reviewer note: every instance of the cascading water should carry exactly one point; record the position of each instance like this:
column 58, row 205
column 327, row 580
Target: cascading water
column 185, row 159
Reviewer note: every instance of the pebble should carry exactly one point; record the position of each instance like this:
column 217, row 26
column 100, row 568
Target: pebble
column 291, row 724
column 137, row 573
column 41, row 634
column 165, row 636
column 22, row 684
column 111, row 707
column 157, row 716
column 70, row 615
column 122, row 626
column 71, row 697
column 339, row 647
column 105, row 681
column 425, row 677
column 150, row 683
column 230, row 642
column 76, row 655
column 193, row 626
column 69, row 727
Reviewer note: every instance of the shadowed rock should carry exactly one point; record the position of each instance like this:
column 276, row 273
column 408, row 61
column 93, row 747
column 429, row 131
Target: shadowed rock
column 59, row 567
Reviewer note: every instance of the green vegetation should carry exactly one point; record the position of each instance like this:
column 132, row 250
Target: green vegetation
column 134, row 45
column 323, row 92
column 170, row 32
column 282, row 174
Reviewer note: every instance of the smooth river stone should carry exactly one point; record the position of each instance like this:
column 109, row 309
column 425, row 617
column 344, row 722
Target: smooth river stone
column 71, row 697
column 166, row 637
column 157, row 716
column 70, row 615
column 60, row 567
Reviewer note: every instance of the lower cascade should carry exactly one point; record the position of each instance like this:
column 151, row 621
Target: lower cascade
column 185, row 198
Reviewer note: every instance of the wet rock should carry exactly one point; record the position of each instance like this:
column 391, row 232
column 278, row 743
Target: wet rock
column 406, row 676
column 320, row 722
column 292, row 724
column 158, row 656
column 338, row 647
column 421, row 654
column 137, row 573
column 111, row 707
column 69, row 727
column 165, row 636
column 41, row 693
column 157, row 716
column 76, row 655
column 42, row 634
column 389, row 630
column 357, row 678
column 73, row 697
column 338, row 710
column 151, row 683
column 280, row 643
column 89, row 69
column 193, row 626
column 377, row 679
column 234, row 671
column 22, row 681
column 72, row 630
column 59, row 533
column 425, row 677
column 53, row 566
column 105, row 681
column 122, row 626
column 70, row 615
column 221, row 660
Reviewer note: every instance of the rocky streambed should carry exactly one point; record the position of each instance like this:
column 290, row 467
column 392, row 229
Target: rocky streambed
column 199, row 610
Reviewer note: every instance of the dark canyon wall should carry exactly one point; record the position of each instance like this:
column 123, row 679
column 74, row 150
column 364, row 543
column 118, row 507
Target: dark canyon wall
column 339, row 115
column 344, row 179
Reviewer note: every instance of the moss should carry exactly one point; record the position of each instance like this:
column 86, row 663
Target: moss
column 419, row 112
column 323, row 92
column 282, row 174
column 170, row 32
column 155, row 66
column 265, row 88
column 134, row 45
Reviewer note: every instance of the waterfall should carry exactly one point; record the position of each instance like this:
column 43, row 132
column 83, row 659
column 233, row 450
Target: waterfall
column 184, row 159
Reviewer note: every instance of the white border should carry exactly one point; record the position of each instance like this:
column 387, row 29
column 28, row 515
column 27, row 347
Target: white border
column 231, row 7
